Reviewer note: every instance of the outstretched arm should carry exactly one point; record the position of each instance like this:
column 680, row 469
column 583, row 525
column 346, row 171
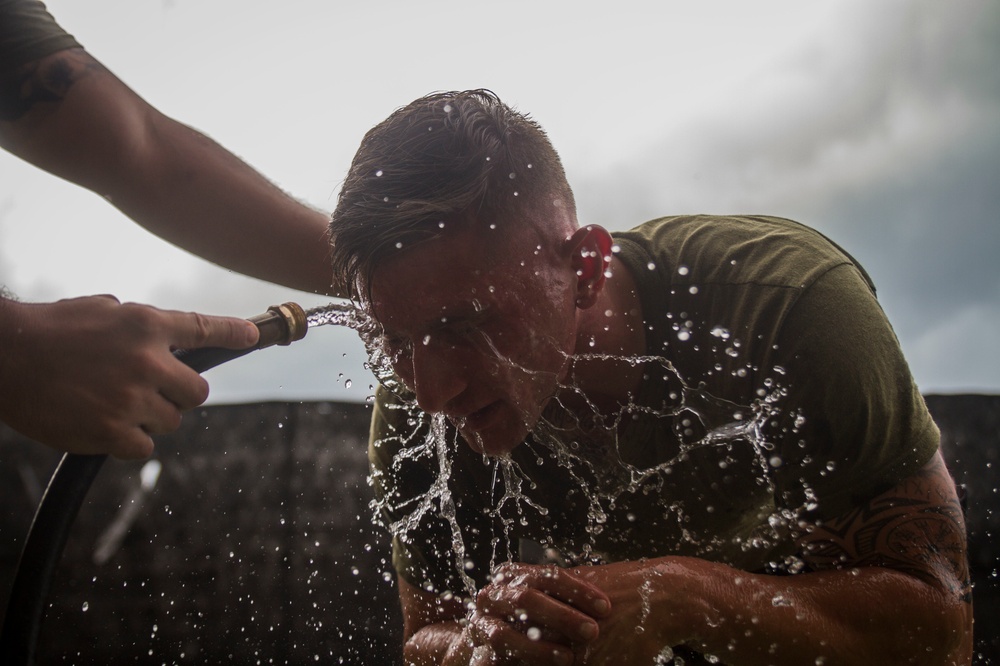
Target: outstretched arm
column 888, row 583
column 69, row 115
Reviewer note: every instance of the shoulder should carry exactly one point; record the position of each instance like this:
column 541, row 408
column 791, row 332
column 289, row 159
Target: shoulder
column 731, row 249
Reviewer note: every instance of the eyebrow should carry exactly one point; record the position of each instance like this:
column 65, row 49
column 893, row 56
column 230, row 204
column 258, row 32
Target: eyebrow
column 443, row 320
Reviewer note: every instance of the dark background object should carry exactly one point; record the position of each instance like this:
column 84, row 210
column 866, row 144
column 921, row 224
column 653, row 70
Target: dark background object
column 256, row 544
column 970, row 439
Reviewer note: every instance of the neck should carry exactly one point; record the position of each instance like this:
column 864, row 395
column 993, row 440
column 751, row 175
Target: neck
column 613, row 329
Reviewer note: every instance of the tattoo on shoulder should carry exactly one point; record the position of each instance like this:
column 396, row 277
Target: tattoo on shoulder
column 43, row 81
column 917, row 527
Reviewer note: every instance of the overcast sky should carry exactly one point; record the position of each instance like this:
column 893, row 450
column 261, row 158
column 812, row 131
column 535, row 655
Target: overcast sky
column 876, row 122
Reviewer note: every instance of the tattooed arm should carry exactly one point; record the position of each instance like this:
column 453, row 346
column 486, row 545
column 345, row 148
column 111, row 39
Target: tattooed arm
column 91, row 375
column 888, row 584
column 69, row 115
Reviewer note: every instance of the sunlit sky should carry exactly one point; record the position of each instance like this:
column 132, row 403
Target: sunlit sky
column 876, row 122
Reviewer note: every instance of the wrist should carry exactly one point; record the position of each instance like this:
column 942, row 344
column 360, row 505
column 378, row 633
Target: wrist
column 12, row 325
column 698, row 584
column 13, row 321
column 461, row 651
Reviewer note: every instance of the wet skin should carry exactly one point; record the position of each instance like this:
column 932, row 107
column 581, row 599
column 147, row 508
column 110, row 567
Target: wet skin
column 491, row 359
column 480, row 325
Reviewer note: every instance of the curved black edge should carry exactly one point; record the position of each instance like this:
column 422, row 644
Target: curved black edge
column 42, row 550
column 50, row 528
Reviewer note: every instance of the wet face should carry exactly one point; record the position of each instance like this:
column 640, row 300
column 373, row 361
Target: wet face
column 480, row 326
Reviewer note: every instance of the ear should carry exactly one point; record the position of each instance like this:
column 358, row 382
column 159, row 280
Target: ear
column 590, row 256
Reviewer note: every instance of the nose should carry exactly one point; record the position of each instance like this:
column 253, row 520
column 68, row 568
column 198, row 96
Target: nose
column 439, row 375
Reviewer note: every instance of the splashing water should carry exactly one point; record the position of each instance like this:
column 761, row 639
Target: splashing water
column 337, row 314
column 596, row 470
column 609, row 484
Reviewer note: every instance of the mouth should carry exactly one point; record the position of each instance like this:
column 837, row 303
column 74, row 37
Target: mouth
column 478, row 420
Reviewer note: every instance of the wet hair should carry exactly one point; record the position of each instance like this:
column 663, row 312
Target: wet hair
column 444, row 161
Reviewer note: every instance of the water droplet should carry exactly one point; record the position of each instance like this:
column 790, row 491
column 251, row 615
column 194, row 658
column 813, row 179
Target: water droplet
column 378, row 174
column 682, row 270
column 86, row 606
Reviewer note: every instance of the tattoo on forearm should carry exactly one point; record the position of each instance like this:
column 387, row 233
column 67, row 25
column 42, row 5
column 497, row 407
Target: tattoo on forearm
column 47, row 80
column 917, row 528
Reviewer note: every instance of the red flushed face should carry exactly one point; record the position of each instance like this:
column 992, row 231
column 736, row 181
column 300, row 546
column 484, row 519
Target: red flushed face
column 480, row 328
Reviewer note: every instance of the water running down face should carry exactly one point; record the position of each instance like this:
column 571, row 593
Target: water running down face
column 480, row 325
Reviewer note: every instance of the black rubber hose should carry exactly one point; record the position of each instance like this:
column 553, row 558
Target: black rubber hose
column 68, row 486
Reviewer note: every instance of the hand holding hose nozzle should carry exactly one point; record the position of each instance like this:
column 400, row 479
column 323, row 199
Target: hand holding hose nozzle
column 280, row 325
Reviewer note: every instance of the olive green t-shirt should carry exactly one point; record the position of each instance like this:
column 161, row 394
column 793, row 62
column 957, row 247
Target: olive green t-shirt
column 28, row 32
column 773, row 387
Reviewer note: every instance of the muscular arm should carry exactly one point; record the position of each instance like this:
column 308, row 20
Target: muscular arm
column 888, row 585
column 69, row 115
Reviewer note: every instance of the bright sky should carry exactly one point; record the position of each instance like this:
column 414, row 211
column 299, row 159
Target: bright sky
column 877, row 123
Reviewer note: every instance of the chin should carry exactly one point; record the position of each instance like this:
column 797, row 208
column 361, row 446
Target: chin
column 496, row 442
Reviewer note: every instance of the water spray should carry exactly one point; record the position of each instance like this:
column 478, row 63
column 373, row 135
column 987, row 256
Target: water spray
column 279, row 325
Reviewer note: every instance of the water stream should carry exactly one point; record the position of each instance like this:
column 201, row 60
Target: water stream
column 609, row 487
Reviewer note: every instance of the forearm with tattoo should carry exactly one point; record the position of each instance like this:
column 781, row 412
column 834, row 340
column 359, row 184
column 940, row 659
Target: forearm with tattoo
column 43, row 81
column 918, row 528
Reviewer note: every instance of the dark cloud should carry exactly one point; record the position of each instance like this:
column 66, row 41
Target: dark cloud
column 884, row 133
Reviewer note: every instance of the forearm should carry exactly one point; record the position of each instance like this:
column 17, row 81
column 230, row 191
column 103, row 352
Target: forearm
column 216, row 206
column 832, row 617
column 94, row 131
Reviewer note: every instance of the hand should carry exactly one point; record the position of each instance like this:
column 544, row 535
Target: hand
column 654, row 605
column 532, row 614
column 91, row 375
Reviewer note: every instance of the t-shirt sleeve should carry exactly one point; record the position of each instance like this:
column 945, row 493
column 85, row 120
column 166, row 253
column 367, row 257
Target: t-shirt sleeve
column 852, row 422
column 28, row 32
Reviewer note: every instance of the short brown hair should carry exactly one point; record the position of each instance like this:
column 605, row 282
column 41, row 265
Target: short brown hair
column 448, row 158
